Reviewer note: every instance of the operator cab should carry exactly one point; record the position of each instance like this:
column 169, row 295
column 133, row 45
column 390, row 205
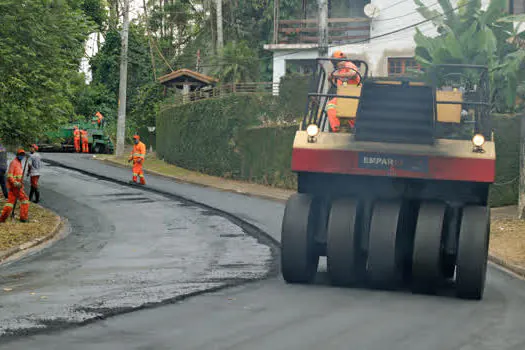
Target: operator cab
column 412, row 110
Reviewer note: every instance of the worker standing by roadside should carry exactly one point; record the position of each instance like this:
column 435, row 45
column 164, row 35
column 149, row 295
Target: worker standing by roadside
column 137, row 157
column 85, row 141
column 76, row 138
column 15, row 185
column 33, row 172
column 3, row 169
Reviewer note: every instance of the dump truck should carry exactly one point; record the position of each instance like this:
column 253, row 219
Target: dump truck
column 400, row 199
column 61, row 140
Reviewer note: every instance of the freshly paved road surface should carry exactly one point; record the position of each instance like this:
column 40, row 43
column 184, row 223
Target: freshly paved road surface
column 273, row 315
column 127, row 248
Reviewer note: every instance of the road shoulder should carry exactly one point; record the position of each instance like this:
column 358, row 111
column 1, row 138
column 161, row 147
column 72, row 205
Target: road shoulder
column 46, row 235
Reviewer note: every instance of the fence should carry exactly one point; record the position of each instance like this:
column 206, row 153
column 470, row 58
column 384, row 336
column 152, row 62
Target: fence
column 220, row 91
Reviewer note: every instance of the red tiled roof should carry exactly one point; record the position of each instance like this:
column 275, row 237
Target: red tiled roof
column 188, row 73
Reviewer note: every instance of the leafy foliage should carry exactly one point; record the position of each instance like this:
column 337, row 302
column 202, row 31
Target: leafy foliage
column 473, row 36
column 242, row 64
column 41, row 43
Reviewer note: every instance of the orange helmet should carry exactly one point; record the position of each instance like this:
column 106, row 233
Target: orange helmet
column 20, row 152
column 136, row 137
column 338, row 54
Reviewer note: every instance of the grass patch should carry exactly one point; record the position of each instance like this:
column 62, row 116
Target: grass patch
column 14, row 233
column 507, row 240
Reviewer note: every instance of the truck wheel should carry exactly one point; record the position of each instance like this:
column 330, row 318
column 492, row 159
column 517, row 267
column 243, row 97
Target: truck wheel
column 384, row 265
column 426, row 258
column 342, row 253
column 97, row 149
column 299, row 257
column 473, row 252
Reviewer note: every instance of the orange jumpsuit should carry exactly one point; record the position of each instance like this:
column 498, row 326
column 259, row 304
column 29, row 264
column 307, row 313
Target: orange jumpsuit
column 85, row 141
column 137, row 155
column 332, row 104
column 100, row 118
column 15, row 176
column 76, row 138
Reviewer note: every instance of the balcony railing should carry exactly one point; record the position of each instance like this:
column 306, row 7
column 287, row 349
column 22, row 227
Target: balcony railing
column 306, row 31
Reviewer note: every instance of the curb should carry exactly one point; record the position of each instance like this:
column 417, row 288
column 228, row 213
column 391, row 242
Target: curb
column 190, row 182
column 519, row 271
column 6, row 254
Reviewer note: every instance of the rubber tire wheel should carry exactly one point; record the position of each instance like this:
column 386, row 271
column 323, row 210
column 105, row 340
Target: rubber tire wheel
column 342, row 253
column 473, row 252
column 299, row 258
column 96, row 149
column 426, row 257
column 448, row 266
column 384, row 256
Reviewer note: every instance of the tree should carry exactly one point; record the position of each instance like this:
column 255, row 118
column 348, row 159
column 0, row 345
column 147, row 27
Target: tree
column 473, row 36
column 41, row 43
column 237, row 64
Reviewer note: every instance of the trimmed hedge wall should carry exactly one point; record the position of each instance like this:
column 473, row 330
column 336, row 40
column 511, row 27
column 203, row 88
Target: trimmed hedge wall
column 203, row 135
column 266, row 155
column 507, row 137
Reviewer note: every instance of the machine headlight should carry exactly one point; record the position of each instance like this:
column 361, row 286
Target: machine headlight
column 478, row 140
column 312, row 130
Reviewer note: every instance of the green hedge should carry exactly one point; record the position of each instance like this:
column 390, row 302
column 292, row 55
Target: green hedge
column 506, row 134
column 203, row 135
column 266, row 155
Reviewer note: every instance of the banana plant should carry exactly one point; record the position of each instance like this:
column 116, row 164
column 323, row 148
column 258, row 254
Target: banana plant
column 469, row 35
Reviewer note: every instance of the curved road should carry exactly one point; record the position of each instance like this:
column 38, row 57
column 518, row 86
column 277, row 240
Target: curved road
column 270, row 314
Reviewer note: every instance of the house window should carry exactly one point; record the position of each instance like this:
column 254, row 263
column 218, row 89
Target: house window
column 401, row 66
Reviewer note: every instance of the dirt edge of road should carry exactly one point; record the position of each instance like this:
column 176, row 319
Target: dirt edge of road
column 275, row 194
column 18, row 252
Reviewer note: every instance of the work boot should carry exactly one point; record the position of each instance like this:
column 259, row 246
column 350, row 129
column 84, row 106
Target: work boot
column 37, row 195
column 24, row 220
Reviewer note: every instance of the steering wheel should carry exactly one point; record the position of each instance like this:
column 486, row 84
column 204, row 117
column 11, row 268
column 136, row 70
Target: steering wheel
column 344, row 76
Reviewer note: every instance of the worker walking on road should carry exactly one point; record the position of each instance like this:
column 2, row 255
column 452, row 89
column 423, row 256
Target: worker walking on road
column 137, row 157
column 85, row 141
column 33, row 172
column 3, row 169
column 76, row 138
column 15, row 185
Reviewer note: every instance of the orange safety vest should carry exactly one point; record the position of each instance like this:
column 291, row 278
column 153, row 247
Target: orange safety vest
column 139, row 151
column 14, row 174
column 76, row 133
column 84, row 135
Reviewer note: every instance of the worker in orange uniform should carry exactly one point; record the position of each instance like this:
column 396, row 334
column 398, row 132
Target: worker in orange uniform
column 351, row 70
column 137, row 157
column 100, row 119
column 15, row 185
column 85, row 141
column 76, row 139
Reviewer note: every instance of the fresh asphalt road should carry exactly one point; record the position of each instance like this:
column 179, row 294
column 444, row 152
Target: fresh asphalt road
column 127, row 248
column 270, row 314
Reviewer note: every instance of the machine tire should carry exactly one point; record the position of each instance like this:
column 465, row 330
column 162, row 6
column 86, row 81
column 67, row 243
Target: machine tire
column 384, row 265
column 473, row 252
column 342, row 253
column 299, row 258
column 448, row 266
column 96, row 149
column 426, row 257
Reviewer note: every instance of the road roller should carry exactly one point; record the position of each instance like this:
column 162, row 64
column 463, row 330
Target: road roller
column 397, row 196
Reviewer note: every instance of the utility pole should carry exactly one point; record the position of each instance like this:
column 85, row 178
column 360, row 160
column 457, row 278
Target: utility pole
column 220, row 40
column 121, row 123
column 521, row 194
column 323, row 27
